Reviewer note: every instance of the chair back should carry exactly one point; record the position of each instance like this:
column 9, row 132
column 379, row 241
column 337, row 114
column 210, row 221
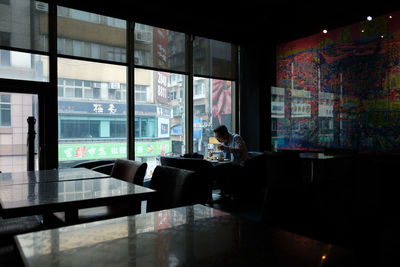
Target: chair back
column 106, row 168
column 129, row 171
column 176, row 187
column 92, row 163
column 192, row 164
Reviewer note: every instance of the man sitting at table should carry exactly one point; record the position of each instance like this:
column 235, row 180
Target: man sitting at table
column 234, row 148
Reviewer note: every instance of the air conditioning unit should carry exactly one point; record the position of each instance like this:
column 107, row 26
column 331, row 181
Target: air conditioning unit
column 114, row 85
column 42, row 6
column 97, row 85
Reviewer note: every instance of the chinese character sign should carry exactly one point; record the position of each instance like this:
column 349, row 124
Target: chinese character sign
column 162, row 89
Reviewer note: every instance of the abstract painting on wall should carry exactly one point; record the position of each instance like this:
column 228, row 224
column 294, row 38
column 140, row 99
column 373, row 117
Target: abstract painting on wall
column 340, row 89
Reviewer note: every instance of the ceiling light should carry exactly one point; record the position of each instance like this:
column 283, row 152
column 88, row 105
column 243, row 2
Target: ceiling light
column 390, row 17
column 324, row 31
column 369, row 18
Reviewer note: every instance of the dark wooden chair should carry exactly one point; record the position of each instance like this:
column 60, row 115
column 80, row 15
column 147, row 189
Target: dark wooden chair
column 176, row 187
column 202, row 167
column 9, row 255
column 126, row 170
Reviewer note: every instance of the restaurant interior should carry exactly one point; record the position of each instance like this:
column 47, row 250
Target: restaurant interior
column 110, row 142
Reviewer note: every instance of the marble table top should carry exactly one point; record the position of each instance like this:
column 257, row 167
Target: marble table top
column 35, row 198
column 44, row 176
column 186, row 236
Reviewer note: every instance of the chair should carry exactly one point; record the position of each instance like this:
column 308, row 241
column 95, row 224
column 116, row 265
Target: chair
column 192, row 164
column 129, row 171
column 175, row 188
column 202, row 167
column 253, row 181
column 92, row 163
column 20, row 225
column 9, row 255
column 126, row 170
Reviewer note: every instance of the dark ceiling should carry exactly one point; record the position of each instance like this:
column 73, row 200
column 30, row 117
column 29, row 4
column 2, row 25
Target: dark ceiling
column 240, row 22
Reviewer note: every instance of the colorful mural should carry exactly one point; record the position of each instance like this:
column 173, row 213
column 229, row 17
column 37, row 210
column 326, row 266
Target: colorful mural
column 340, row 89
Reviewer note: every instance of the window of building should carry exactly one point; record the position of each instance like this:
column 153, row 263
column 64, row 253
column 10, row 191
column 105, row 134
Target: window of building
column 118, row 129
column 141, row 93
column 5, row 110
column 80, row 129
column 199, row 90
column 145, row 127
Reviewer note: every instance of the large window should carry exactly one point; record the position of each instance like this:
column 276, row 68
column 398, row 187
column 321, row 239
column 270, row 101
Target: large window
column 155, row 117
column 91, row 111
column 94, row 83
column 24, row 26
column 14, row 111
column 159, row 48
column 89, row 35
column 211, row 108
column 213, row 97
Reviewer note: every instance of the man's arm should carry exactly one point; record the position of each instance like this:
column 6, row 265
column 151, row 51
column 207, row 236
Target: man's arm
column 238, row 145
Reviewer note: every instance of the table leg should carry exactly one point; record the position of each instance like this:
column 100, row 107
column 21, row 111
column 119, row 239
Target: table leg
column 71, row 216
column 48, row 219
column 312, row 171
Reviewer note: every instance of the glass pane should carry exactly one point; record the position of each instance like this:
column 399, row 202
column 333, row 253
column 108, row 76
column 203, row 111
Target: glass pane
column 24, row 24
column 214, row 58
column 212, row 106
column 24, row 66
column 159, row 48
column 93, row 126
column 14, row 111
column 159, row 116
column 89, row 35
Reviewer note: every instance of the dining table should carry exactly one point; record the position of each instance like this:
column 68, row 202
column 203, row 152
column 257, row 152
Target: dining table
column 316, row 160
column 60, row 191
column 184, row 236
column 52, row 175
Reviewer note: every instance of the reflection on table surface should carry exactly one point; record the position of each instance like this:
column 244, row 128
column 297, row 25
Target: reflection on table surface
column 44, row 176
column 186, row 236
column 34, row 194
column 315, row 155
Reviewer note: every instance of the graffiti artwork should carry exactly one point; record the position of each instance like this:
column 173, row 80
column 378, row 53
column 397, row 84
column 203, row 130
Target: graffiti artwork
column 340, row 89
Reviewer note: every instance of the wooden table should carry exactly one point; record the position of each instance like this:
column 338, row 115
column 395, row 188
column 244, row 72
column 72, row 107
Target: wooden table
column 18, row 200
column 44, row 176
column 216, row 162
column 186, row 236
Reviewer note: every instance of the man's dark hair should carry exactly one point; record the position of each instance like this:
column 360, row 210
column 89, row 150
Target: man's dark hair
column 221, row 130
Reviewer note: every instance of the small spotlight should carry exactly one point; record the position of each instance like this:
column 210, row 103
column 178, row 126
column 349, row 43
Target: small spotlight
column 390, row 17
column 362, row 30
column 323, row 257
column 369, row 18
column 324, row 31
column 382, row 36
